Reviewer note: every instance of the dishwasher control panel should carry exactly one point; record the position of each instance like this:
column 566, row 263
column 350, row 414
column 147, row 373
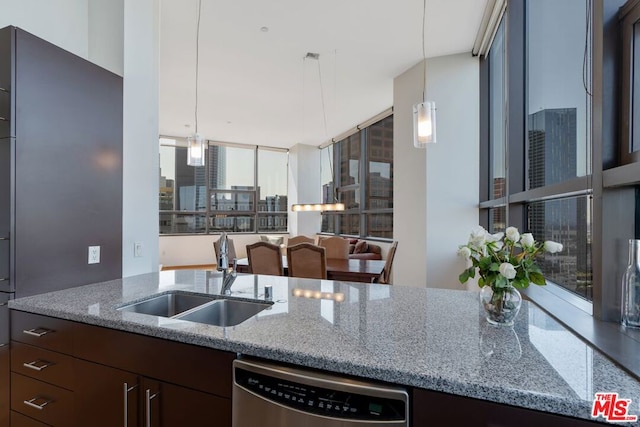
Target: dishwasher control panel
column 321, row 401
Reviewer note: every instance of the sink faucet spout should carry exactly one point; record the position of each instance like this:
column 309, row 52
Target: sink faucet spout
column 228, row 275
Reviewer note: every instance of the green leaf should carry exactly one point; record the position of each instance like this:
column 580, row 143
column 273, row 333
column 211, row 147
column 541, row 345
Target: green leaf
column 537, row 278
column 494, row 267
column 464, row 276
column 481, row 282
column 472, row 272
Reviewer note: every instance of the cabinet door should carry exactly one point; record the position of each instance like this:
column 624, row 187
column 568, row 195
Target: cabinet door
column 105, row 396
column 4, row 385
column 168, row 405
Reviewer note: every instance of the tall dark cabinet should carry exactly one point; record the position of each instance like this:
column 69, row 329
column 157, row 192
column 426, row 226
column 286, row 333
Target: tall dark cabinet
column 60, row 175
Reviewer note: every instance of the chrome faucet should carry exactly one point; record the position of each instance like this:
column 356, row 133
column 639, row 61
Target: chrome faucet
column 228, row 275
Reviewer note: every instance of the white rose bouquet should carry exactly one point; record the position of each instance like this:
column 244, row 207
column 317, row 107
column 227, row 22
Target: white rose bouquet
column 504, row 259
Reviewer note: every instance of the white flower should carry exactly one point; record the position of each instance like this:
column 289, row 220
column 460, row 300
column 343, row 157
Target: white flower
column 494, row 237
column 513, row 234
column 507, row 270
column 477, row 236
column 464, row 252
column 552, row 247
column 527, row 240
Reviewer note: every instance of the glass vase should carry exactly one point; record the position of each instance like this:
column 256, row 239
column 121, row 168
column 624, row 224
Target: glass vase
column 501, row 305
column 631, row 287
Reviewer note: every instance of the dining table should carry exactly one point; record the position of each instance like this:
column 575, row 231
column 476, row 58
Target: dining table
column 347, row 270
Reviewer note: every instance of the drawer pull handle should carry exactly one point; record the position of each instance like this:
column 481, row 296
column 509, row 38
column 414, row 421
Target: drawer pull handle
column 37, row 365
column 37, row 332
column 39, row 407
column 3, row 279
column 127, row 389
column 4, row 238
column 3, row 89
column 149, row 398
column 3, row 119
column 2, row 304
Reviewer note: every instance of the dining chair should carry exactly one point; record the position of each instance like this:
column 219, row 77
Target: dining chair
column 307, row 260
column 231, row 250
column 299, row 239
column 385, row 276
column 265, row 258
column 336, row 247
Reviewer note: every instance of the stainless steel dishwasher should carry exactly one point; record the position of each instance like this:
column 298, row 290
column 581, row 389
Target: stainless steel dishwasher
column 270, row 395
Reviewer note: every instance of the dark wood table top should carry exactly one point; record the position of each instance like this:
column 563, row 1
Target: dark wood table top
column 353, row 270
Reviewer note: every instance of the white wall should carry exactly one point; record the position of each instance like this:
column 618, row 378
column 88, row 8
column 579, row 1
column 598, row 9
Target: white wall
column 61, row 22
column 436, row 189
column 304, row 187
column 141, row 158
column 409, row 184
column 106, row 34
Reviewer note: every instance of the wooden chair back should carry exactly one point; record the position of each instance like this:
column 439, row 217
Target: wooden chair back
column 307, row 260
column 385, row 276
column 230, row 247
column 299, row 239
column 265, row 258
column 336, row 247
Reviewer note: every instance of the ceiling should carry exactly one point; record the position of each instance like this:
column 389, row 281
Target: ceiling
column 254, row 85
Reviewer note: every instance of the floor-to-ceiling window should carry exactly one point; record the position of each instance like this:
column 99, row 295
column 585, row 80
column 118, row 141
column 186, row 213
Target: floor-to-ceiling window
column 358, row 171
column 539, row 135
column 240, row 189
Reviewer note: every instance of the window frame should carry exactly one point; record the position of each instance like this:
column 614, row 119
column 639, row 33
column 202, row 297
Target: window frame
column 363, row 210
column 210, row 214
column 517, row 196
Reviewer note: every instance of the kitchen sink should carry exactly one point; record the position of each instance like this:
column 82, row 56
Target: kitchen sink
column 168, row 305
column 225, row 312
column 209, row 309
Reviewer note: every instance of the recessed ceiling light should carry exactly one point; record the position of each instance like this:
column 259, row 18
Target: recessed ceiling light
column 264, row 29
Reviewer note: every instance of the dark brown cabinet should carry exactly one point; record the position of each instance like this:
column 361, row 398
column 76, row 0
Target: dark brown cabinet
column 431, row 408
column 4, row 385
column 105, row 395
column 66, row 373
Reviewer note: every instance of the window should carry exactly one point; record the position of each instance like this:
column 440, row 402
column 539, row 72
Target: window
column 362, row 180
column 538, row 137
column 630, row 123
column 241, row 189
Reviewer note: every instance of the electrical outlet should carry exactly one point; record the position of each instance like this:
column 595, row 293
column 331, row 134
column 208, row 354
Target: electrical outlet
column 137, row 249
column 94, row 254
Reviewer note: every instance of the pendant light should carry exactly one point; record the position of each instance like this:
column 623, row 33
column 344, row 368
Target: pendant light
column 315, row 207
column 424, row 113
column 195, row 142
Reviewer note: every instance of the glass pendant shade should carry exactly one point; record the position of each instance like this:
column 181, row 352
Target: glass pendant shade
column 424, row 124
column 195, row 150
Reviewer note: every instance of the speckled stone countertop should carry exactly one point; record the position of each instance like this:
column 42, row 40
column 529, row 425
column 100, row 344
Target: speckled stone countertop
column 428, row 338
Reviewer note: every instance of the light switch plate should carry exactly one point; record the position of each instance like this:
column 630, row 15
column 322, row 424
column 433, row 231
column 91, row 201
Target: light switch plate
column 137, row 249
column 94, row 254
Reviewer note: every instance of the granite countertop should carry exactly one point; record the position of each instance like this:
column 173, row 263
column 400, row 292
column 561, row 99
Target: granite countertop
column 434, row 339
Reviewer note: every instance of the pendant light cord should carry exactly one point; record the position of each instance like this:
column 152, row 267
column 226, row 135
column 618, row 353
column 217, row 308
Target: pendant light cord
column 324, row 113
column 424, row 52
column 197, row 59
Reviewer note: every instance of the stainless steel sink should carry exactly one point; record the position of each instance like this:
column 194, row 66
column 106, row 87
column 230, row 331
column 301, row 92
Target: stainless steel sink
column 209, row 309
column 225, row 312
column 169, row 304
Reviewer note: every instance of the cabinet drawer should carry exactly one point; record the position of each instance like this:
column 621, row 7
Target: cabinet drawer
column 44, row 402
column 45, row 365
column 19, row 420
column 41, row 331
